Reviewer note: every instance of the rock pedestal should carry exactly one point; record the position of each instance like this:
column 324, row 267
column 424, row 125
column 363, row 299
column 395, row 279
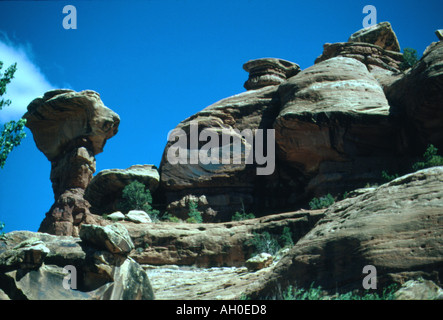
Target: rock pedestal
column 70, row 128
column 268, row 72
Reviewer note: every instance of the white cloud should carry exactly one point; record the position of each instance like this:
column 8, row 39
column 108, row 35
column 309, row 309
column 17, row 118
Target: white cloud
column 28, row 83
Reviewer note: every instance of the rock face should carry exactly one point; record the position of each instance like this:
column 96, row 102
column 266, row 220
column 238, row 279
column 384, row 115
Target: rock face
column 380, row 34
column 105, row 190
column 225, row 186
column 439, row 34
column 268, row 72
column 418, row 97
column 396, row 228
column 35, row 266
column 70, row 128
column 211, row 244
column 334, row 125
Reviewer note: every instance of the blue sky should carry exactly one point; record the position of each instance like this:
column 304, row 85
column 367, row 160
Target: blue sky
column 158, row 62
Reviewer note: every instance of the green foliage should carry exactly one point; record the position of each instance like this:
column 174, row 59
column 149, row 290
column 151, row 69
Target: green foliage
column 386, row 177
column 194, row 215
column 13, row 132
column 409, row 58
column 322, row 202
column 137, row 197
column 313, row 293
column 264, row 243
column 5, row 80
column 430, row 159
column 2, row 225
column 286, row 237
column 173, row 219
column 243, row 215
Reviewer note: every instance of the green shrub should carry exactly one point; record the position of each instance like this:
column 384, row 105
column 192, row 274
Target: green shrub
column 264, row 243
column 409, row 58
column 174, row 219
column 386, row 177
column 2, row 225
column 313, row 293
column 137, row 197
column 286, row 237
column 243, row 215
column 194, row 215
column 430, row 159
column 322, row 202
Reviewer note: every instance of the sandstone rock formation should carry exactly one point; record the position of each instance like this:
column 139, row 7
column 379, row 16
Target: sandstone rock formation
column 439, row 34
column 32, row 267
column 396, row 228
column 418, row 96
column 225, row 186
column 70, row 128
column 105, row 190
column 334, row 126
column 268, row 72
column 211, row 244
column 373, row 56
column 380, row 34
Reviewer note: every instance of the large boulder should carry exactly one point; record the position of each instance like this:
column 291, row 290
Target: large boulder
column 114, row 237
column 39, row 266
column 70, row 128
column 104, row 192
column 396, row 228
column 334, row 126
column 380, row 34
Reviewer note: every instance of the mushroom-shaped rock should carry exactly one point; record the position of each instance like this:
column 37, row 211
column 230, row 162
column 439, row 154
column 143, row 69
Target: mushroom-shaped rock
column 70, row 128
column 64, row 118
column 439, row 34
column 106, row 187
column 380, row 34
column 268, row 72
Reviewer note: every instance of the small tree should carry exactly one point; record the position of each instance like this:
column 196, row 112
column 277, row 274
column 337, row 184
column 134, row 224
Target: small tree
column 2, row 225
column 137, row 197
column 430, row 159
column 409, row 58
column 322, row 202
column 13, row 132
column 194, row 215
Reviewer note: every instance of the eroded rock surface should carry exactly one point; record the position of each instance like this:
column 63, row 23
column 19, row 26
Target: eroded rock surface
column 32, row 268
column 396, row 228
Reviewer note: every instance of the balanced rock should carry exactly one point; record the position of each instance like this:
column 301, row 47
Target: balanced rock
column 105, row 190
column 380, row 34
column 268, row 72
column 439, row 34
column 70, row 128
